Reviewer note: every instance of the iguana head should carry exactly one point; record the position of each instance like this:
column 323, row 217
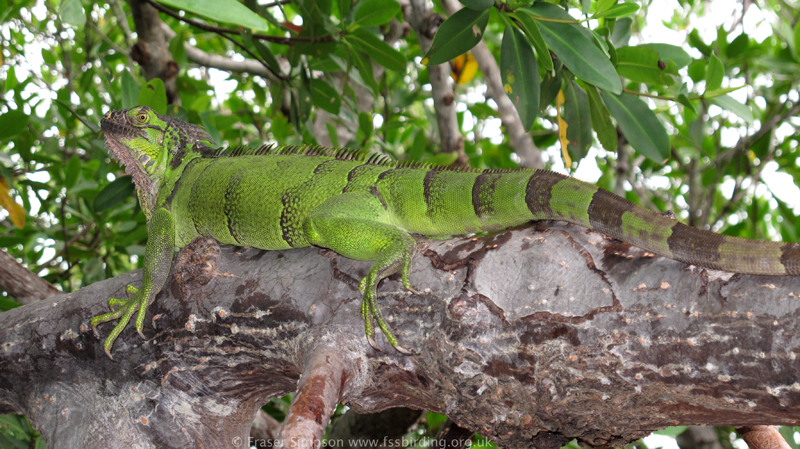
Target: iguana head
column 149, row 145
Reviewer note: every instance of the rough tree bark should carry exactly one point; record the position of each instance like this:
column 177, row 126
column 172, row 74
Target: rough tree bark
column 21, row 283
column 531, row 337
column 151, row 51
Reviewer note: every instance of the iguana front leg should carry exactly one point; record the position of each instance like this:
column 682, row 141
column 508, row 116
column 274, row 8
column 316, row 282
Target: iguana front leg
column 355, row 225
column 157, row 263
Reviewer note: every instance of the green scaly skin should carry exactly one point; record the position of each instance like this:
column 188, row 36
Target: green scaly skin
column 365, row 207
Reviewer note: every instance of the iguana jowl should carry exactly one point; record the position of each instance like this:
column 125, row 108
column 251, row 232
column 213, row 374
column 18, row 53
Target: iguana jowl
column 365, row 207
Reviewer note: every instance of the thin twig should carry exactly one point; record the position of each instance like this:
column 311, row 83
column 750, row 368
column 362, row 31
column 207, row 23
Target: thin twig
column 280, row 2
column 219, row 31
column 63, row 250
column 226, row 31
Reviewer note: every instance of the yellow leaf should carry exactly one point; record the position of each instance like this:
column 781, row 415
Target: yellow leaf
column 463, row 68
column 15, row 211
column 562, row 129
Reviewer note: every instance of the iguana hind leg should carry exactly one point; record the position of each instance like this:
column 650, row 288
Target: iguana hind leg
column 355, row 226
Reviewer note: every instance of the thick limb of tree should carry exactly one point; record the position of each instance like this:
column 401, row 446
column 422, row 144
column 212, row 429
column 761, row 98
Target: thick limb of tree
column 531, row 337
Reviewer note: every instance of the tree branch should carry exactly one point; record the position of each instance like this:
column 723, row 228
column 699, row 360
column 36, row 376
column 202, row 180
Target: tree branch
column 20, row 283
column 151, row 51
column 425, row 23
column 561, row 331
column 202, row 58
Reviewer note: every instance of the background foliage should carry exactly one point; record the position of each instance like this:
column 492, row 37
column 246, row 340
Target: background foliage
column 705, row 126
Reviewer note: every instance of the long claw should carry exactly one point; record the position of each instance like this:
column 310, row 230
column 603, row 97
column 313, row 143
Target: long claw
column 122, row 309
column 370, row 310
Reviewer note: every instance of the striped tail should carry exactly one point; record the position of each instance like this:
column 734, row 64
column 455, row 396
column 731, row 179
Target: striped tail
column 554, row 196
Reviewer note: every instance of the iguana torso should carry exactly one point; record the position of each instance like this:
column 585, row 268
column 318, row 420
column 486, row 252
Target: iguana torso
column 365, row 208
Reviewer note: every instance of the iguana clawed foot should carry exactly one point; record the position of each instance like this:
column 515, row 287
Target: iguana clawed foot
column 370, row 309
column 124, row 310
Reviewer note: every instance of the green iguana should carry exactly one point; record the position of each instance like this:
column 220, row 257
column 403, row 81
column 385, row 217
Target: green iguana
column 366, row 207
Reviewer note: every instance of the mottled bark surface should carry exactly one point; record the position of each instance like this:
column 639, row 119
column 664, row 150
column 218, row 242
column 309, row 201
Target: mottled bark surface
column 532, row 338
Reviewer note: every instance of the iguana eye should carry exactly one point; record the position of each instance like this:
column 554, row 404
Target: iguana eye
column 142, row 117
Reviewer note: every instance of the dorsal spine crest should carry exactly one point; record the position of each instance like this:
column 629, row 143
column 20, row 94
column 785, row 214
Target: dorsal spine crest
column 343, row 154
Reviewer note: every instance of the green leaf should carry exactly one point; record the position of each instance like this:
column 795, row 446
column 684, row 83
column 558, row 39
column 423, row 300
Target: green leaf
column 364, row 70
column 177, row 48
column 603, row 5
column 684, row 100
column 639, row 124
column 8, row 304
column 738, row 46
column 620, row 10
column 601, row 121
column 578, row 118
column 520, row 75
column 344, row 8
column 210, row 125
column 529, row 27
column 364, row 132
column 130, row 90
column 788, row 431
column 71, row 12
column 12, row 123
column 267, row 56
column 551, row 85
column 13, row 426
column 370, row 13
column 697, row 42
column 714, row 74
column 457, row 35
column 796, row 41
column 721, row 91
column 378, row 50
column 114, row 193
column 478, row 5
column 332, row 134
column 697, row 70
column 225, row 11
column 641, row 64
column 622, row 31
column 154, row 95
column 418, row 146
column 730, row 104
column 673, row 53
column 71, row 172
column 325, row 96
column 579, row 53
column 11, row 78
column 672, row 431
column 442, row 159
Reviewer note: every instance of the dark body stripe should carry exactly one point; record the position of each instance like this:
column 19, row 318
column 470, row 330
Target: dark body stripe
column 537, row 193
column 790, row 258
column 605, row 212
column 695, row 246
column 483, row 202
column 291, row 220
column 428, row 186
column 233, row 204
